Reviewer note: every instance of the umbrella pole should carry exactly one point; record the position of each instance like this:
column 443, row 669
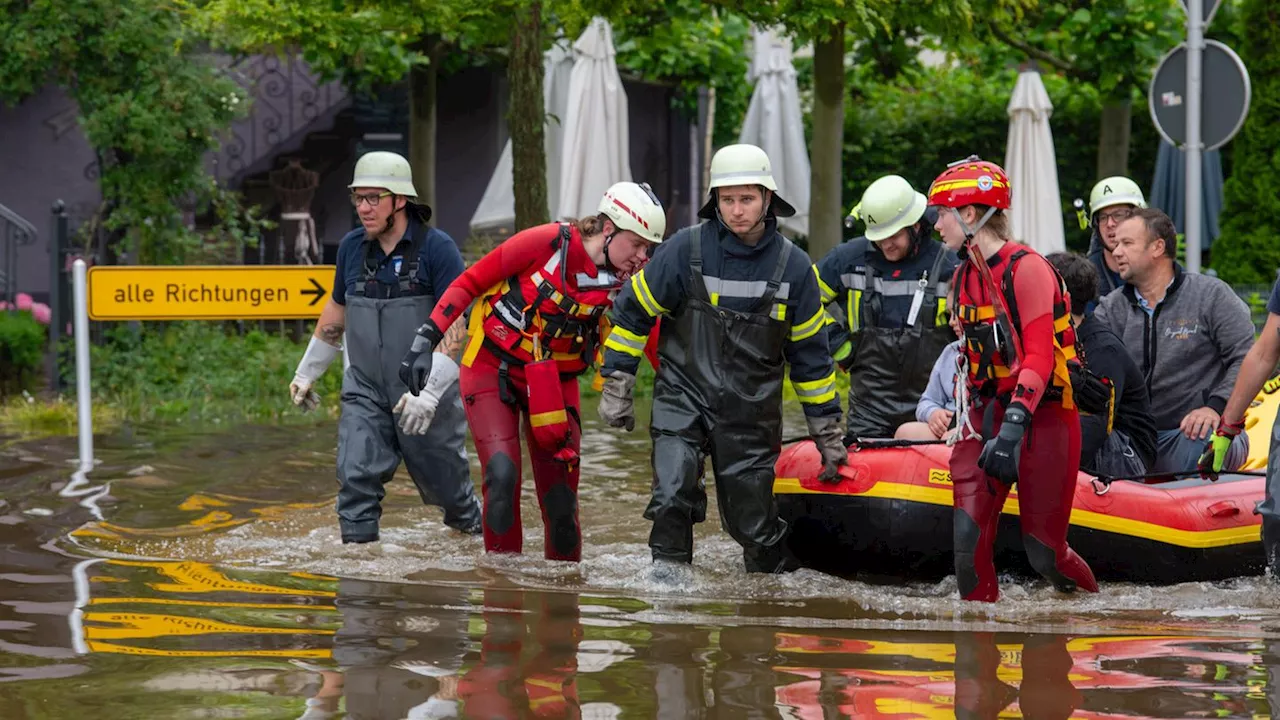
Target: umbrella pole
column 1195, row 50
column 708, row 136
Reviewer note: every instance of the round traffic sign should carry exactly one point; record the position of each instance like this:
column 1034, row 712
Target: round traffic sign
column 1224, row 100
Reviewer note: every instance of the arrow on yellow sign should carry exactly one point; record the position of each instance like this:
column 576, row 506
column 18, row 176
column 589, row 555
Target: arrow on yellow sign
column 208, row 292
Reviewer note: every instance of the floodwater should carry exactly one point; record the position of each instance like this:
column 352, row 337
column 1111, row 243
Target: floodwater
column 200, row 575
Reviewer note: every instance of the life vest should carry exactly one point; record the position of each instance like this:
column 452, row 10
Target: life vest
column 565, row 310
column 989, row 348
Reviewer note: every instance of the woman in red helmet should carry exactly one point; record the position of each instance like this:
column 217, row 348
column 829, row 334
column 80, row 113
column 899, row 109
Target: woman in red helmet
column 1018, row 418
column 541, row 297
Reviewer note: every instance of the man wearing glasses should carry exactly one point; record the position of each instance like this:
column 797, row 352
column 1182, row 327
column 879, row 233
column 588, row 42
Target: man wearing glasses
column 389, row 272
column 1111, row 202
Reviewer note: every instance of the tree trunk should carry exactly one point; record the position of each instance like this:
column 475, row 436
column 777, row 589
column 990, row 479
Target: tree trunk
column 422, row 125
column 1113, row 139
column 529, row 161
column 828, row 143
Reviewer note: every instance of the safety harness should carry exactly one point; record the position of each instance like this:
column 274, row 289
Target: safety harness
column 406, row 270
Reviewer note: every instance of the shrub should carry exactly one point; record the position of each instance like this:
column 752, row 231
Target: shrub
column 1247, row 250
column 914, row 125
column 201, row 371
column 22, row 340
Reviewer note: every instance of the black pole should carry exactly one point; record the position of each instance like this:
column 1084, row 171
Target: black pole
column 56, row 260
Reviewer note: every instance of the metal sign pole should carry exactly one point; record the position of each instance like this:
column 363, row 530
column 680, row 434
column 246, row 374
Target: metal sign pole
column 1195, row 50
column 83, row 398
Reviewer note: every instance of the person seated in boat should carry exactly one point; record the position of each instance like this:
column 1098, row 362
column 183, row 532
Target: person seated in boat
column 1019, row 346
column 1122, row 441
column 890, row 286
column 1187, row 332
column 1259, row 364
column 936, row 410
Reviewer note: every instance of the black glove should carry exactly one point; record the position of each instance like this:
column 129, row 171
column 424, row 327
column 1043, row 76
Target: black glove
column 999, row 457
column 415, row 368
column 1092, row 393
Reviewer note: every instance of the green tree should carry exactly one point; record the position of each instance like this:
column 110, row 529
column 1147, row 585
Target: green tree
column 1111, row 44
column 364, row 44
column 827, row 24
column 150, row 105
column 680, row 42
column 528, row 153
column 1247, row 251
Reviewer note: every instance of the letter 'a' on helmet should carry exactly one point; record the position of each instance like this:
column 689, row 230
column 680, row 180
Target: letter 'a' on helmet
column 1115, row 190
column 743, row 164
column 971, row 182
column 888, row 205
column 633, row 206
column 386, row 170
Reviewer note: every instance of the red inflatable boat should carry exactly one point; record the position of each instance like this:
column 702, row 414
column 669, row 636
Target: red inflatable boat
column 891, row 515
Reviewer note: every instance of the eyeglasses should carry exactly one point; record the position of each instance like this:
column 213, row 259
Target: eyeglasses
column 372, row 198
column 1116, row 216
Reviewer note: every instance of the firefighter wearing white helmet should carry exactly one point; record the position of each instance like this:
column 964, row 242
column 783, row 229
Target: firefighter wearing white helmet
column 540, row 298
column 1112, row 200
column 890, row 287
column 741, row 304
column 389, row 272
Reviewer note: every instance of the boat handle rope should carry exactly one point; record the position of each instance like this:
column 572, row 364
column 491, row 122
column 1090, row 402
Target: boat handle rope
column 870, row 443
column 1102, row 483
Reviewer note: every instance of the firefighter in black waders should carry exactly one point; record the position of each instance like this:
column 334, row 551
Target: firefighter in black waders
column 891, row 287
column 742, row 303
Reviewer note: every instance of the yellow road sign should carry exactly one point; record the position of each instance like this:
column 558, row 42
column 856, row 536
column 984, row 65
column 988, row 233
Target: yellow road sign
column 208, row 292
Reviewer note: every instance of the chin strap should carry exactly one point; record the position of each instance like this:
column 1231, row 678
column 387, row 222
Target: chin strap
column 608, row 264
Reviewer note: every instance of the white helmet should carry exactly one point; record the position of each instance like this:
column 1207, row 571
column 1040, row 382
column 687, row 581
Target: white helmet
column 634, row 207
column 889, row 205
column 386, row 170
column 1115, row 190
column 743, row 165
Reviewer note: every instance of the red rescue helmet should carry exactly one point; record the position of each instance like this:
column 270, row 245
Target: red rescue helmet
column 971, row 182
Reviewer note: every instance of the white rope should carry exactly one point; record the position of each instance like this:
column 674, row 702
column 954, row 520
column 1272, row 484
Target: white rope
column 964, row 429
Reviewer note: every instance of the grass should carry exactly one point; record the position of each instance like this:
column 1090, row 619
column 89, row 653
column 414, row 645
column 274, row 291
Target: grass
column 30, row 418
column 205, row 374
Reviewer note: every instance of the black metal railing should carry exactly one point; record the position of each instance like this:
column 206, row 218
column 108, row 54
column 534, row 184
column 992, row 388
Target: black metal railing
column 15, row 232
column 286, row 99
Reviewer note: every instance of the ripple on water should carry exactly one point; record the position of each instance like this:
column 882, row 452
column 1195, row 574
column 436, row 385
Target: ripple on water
column 298, row 531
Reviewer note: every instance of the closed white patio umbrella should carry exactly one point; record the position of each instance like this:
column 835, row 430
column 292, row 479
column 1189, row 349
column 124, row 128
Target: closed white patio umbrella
column 1036, row 212
column 775, row 125
column 497, row 208
column 596, row 151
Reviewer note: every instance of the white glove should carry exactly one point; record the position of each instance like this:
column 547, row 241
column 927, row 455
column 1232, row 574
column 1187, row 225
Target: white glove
column 416, row 413
column 314, row 362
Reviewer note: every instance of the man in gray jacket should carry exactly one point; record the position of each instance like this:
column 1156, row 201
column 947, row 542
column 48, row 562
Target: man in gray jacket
column 1187, row 332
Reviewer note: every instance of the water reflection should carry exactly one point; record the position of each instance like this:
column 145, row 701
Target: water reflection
column 315, row 647
column 211, row 589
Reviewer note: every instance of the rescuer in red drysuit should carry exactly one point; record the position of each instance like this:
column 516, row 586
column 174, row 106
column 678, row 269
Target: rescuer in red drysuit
column 536, row 327
column 1019, row 357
